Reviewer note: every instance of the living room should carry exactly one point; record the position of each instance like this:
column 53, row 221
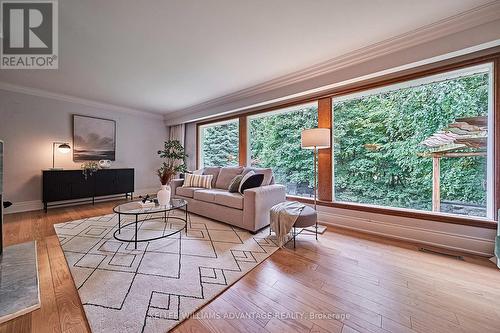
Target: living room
column 250, row 166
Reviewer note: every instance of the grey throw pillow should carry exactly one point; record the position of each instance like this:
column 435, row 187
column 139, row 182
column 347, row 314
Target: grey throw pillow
column 235, row 184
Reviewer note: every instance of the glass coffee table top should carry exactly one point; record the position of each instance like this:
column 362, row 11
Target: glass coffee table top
column 135, row 207
column 133, row 228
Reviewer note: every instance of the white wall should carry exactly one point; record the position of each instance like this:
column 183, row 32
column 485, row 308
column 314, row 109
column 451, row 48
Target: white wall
column 29, row 124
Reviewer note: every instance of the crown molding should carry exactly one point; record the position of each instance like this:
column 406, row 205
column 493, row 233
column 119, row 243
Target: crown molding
column 77, row 100
column 474, row 17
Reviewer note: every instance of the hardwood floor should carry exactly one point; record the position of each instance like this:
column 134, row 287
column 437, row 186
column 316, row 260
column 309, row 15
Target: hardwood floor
column 366, row 283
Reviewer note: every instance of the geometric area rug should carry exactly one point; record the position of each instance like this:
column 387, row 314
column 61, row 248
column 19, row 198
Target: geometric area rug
column 161, row 283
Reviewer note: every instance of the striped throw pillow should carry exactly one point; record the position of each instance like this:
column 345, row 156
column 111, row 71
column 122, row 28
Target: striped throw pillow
column 191, row 180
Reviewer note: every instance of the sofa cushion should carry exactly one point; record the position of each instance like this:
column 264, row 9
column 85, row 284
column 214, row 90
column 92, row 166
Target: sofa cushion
column 226, row 175
column 233, row 200
column 186, row 191
column 267, row 172
column 214, row 171
column 206, row 195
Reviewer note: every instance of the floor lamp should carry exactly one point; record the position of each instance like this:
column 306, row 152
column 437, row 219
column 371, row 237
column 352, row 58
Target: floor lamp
column 315, row 138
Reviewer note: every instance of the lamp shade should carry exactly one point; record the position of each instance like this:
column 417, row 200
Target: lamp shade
column 315, row 138
column 64, row 148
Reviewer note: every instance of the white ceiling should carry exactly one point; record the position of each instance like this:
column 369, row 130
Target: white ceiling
column 162, row 56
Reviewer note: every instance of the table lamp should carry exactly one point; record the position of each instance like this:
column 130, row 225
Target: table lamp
column 63, row 147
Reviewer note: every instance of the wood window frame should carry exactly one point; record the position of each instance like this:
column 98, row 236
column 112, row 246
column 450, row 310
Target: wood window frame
column 241, row 123
column 325, row 170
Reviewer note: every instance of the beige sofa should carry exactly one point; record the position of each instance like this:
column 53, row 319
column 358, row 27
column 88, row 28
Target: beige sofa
column 249, row 210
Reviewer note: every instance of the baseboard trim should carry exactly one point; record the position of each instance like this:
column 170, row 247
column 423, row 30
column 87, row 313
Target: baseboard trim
column 446, row 240
column 24, row 206
column 32, row 205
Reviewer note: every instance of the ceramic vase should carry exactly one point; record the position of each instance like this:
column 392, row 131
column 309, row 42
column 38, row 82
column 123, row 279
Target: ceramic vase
column 163, row 195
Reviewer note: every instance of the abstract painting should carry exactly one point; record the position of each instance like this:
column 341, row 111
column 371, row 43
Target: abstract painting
column 93, row 138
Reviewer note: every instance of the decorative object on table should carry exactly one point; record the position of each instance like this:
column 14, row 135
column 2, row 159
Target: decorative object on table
column 63, row 148
column 93, row 138
column 164, row 195
column 145, row 199
column 168, row 287
column 104, row 164
column 88, row 168
column 147, row 204
column 174, row 162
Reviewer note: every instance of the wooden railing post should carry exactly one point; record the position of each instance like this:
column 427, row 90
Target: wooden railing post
column 436, row 195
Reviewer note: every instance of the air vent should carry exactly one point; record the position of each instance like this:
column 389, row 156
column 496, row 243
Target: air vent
column 438, row 253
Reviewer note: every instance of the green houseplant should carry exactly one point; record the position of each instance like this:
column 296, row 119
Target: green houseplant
column 174, row 158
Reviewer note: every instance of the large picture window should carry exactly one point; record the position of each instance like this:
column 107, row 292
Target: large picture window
column 424, row 144
column 219, row 144
column 274, row 142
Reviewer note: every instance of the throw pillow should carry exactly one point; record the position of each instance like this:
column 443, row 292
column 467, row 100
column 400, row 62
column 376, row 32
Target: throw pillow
column 245, row 177
column 204, row 181
column 235, row 184
column 251, row 182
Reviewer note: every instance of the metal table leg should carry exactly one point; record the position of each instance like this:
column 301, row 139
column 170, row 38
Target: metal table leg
column 186, row 212
column 136, row 217
column 119, row 223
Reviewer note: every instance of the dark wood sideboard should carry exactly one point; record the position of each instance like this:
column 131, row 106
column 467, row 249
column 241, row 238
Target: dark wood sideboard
column 64, row 185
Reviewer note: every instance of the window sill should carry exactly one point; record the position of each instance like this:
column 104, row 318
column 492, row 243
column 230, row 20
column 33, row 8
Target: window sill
column 438, row 217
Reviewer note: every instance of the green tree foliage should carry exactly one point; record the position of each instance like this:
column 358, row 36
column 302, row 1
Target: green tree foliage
column 220, row 144
column 377, row 141
column 275, row 143
column 376, row 145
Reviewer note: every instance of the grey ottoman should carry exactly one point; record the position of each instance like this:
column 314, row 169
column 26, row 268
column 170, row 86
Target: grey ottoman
column 308, row 217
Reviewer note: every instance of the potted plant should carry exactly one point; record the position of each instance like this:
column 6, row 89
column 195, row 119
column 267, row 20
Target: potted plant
column 174, row 158
column 88, row 168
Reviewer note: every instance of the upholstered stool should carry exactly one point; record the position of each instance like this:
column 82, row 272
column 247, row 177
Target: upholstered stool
column 307, row 218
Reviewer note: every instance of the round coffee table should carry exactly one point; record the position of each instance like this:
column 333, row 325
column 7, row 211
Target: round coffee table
column 143, row 214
